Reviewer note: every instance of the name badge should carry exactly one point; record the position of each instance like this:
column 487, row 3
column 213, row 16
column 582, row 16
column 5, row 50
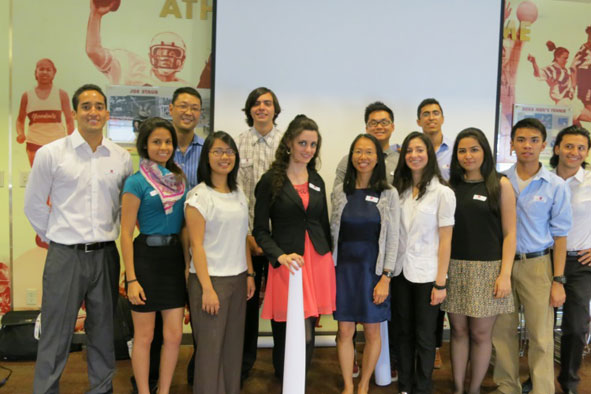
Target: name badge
column 540, row 198
column 313, row 187
column 372, row 199
column 479, row 197
column 153, row 193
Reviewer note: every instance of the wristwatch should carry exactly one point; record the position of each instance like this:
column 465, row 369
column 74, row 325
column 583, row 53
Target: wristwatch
column 251, row 274
column 388, row 274
column 436, row 286
column 560, row 279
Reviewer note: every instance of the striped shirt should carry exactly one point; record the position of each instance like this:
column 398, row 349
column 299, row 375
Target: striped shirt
column 582, row 58
column 257, row 152
column 560, row 81
column 189, row 160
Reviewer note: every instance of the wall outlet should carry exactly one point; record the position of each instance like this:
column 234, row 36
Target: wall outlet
column 31, row 296
column 24, row 178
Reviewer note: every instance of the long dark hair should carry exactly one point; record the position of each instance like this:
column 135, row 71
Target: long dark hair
column 377, row 182
column 403, row 174
column 281, row 162
column 145, row 130
column 204, row 169
column 492, row 179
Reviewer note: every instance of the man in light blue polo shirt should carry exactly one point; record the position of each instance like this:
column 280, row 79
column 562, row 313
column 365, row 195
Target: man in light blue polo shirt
column 544, row 219
column 430, row 119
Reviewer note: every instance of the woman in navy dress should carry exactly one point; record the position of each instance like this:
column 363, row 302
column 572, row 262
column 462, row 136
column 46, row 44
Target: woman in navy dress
column 365, row 221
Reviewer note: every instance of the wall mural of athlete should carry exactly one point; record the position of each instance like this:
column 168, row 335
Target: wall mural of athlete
column 44, row 106
column 166, row 55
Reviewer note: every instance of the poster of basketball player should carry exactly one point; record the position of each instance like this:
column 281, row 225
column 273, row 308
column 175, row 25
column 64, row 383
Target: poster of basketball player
column 542, row 65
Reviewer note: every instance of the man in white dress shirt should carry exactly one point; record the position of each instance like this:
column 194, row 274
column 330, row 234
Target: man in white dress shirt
column 83, row 175
column 570, row 151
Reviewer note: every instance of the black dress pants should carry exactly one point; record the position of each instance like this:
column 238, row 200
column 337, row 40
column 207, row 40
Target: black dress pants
column 251, row 327
column 575, row 321
column 417, row 320
column 279, row 331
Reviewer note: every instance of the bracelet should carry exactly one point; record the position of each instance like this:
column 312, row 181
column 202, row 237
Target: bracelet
column 131, row 281
column 437, row 287
column 251, row 274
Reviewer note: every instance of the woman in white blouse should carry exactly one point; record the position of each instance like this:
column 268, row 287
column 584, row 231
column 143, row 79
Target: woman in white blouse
column 221, row 277
column 426, row 223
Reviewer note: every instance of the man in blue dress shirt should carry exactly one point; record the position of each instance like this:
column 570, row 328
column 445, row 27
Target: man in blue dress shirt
column 544, row 219
column 430, row 119
column 185, row 110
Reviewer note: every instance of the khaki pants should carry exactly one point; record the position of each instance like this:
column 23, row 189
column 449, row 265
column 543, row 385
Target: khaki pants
column 531, row 281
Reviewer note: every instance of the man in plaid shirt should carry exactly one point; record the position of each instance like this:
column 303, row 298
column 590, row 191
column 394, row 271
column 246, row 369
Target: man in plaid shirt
column 256, row 147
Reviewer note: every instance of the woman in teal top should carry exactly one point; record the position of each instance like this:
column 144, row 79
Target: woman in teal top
column 155, row 261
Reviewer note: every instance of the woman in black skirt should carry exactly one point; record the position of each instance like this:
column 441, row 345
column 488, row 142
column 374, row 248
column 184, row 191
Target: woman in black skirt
column 155, row 262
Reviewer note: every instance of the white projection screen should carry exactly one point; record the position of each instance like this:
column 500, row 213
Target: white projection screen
column 329, row 59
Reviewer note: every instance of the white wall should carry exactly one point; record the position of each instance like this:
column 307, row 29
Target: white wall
column 329, row 59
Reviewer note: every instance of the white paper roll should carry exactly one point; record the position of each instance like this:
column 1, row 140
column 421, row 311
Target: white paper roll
column 383, row 374
column 294, row 369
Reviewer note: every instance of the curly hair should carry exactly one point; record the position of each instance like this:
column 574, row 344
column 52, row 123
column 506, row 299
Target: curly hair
column 279, row 166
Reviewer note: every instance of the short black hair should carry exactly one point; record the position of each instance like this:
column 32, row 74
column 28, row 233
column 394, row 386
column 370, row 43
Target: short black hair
column 85, row 88
column 252, row 99
column 204, row 169
column 571, row 130
column 187, row 90
column 378, row 106
column 424, row 103
column 529, row 123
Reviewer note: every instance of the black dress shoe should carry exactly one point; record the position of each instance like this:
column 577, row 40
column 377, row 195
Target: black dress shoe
column 527, row 386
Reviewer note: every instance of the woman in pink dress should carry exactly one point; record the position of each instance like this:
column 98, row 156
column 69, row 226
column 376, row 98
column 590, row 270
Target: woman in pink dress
column 291, row 226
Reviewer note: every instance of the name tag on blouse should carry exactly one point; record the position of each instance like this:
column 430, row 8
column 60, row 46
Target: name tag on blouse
column 153, row 193
column 313, row 187
column 539, row 198
column 479, row 197
column 372, row 199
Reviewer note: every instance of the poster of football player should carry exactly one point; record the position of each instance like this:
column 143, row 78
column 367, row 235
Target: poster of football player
column 159, row 65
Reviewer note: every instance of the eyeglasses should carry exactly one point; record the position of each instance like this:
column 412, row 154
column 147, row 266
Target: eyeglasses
column 383, row 122
column 220, row 152
column 184, row 107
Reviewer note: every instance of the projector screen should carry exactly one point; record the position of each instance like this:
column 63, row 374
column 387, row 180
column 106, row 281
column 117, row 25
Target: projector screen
column 330, row 59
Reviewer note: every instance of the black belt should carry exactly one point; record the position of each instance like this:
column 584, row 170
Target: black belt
column 90, row 247
column 531, row 255
column 159, row 240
